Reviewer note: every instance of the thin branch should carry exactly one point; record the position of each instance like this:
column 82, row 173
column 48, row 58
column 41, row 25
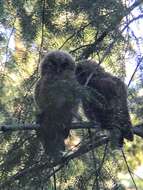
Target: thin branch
column 42, row 28
column 134, row 5
column 54, row 178
column 79, row 47
column 129, row 171
column 75, row 33
column 17, row 127
column 140, row 61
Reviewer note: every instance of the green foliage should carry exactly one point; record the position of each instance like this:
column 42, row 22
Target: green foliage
column 86, row 29
column 100, row 14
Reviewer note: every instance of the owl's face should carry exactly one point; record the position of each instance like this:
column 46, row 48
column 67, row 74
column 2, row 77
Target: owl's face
column 56, row 62
column 83, row 71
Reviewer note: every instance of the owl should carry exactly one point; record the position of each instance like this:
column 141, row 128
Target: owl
column 56, row 98
column 107, row 101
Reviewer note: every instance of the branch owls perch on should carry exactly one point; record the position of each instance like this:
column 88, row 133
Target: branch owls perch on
column 56, row 97
column 111, row 92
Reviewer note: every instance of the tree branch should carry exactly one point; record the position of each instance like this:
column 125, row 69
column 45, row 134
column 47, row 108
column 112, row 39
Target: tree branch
column 83, row 149
column 137, row 129
column 17, row 127
column 94, row 46
column 37, row 167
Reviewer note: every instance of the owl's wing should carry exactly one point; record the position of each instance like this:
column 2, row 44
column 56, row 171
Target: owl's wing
column 106, row 86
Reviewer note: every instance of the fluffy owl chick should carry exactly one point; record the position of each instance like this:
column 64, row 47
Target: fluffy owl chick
column 107, row 103
column 56, row 98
